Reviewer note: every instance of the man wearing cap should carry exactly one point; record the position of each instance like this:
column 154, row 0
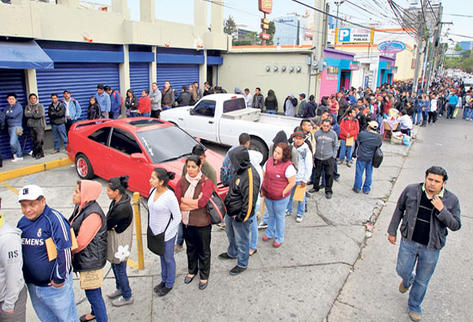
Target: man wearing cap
column 368, row 141
column 12, row 285
column 427, row 209
column 46, row 249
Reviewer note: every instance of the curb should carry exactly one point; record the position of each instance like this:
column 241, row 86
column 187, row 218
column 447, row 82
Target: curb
column 15, row 173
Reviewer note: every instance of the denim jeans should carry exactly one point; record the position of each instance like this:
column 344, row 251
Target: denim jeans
column 168, row 264
column 114, row 115
column 450, row 110
column 147, row 114
column 254, row 226
column 271, row 111
column 277, row 218
column 238, row 234
column 134, row 114
column 425, row 116
column 300, row 204
column 180, row 235
column 14, row 141
column 417, row 117
column 121, row 279
column 411, row 252
column 468, row 113
column 59, row 131
column 362, row 166
column 345, row 151
column 54, row 304
column 98, row 305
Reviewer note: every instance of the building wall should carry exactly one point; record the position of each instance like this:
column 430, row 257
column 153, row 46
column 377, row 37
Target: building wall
column 249, row 70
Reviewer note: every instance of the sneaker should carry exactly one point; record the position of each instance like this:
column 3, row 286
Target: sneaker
column 288, row 213
column 355, row 190
column 415, row 316
column 158, row 287
column 339, row 161
column 121, row 301
column 262, row 225
column 114, row 294
column 328, row 195
column 266, row 238
column 237, row 270
column 221, row 225
column 299, row 219
column 225, row 256
column 314, row 190
column 402, row 288
column 366, row 192
column 15, row 158
column 164, row 290
column 54, row 151
column 349, row 164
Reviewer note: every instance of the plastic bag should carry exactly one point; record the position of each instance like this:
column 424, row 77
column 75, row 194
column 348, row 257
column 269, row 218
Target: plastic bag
column 406, row 140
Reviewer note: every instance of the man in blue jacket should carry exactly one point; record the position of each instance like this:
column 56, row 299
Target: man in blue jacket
column 115, row 102
column 73, row 109
column 452, row 101
column 14, row 118
column 426, row 209
column 103, row 99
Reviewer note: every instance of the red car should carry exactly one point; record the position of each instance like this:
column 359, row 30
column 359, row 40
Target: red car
column 133, row 146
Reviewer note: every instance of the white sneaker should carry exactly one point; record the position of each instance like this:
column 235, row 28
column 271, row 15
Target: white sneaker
column 114, row 294
column 15, row 158
column 121, row 301
column 288, row 213
column 299, row 219
column 262, row 225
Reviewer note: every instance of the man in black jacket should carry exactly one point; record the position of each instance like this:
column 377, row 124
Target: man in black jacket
column 240, row 202
column 57, row 118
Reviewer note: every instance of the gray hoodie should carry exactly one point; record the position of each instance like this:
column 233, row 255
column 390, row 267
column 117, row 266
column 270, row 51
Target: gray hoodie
column 11, row 264
column 326, row 145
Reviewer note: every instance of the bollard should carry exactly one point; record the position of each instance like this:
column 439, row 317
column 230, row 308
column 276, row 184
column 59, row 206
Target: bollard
column 139, row 239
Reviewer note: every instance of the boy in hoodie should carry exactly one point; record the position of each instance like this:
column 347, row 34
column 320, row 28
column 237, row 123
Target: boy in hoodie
column 12, row 285
column 240, row 202
column 13, row 118
column 304, row 171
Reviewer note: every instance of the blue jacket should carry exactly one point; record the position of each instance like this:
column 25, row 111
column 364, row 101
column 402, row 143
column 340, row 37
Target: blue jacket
column 116, row 102
column 453, row 100
column 14, row 115
column 103, row 101
column 74, row 109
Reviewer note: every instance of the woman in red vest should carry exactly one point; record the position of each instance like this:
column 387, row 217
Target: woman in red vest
column 279, row 179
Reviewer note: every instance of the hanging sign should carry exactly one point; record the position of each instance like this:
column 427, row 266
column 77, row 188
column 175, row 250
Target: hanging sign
column 391, row 46
column 265, row 6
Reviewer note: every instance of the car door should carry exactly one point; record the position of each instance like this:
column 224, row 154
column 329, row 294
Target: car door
column 97, row 150
column 201, row 121
column 122, row 145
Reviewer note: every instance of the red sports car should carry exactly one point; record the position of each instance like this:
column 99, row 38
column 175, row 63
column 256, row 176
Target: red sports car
column 133, row 146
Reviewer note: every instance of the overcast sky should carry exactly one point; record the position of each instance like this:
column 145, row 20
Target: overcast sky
column 245, row 12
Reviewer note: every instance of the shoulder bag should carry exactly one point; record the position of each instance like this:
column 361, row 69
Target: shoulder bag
column 216, row 207
column 156, row 242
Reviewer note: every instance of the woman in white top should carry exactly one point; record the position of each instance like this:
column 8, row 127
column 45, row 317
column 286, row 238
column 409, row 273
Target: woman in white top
column 163, row 209
column 433, row 108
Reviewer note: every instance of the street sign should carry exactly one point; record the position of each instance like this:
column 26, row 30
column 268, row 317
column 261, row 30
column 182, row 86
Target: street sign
column 265, row 6
column 264, row 36
column 391, row 46
column 354, row 36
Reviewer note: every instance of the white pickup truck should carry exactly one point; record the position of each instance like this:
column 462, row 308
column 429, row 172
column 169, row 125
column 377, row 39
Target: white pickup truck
column 221, row 118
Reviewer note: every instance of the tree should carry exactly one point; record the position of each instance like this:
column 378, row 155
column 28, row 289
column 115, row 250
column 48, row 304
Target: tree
column 271, row 31
column 229, row 26
column 458, row 47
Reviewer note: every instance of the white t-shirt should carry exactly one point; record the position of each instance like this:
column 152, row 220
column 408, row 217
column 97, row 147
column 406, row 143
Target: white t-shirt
column 290, row 171
column 433, row 105
column 160, row 212
column 405, row 122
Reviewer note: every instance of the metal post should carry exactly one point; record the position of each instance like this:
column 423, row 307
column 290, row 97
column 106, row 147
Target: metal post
column 338, row 4
column 426, row 55
column 318, row 45
column 420, row 38
column 139, row 239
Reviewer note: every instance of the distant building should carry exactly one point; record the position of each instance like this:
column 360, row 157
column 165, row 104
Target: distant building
column 465, row 45
column 294, row 29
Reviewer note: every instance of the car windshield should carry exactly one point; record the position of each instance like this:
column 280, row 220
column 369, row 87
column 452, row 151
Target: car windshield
column 167, row 143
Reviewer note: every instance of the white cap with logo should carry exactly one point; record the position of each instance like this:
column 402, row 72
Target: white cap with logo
column 30, row 192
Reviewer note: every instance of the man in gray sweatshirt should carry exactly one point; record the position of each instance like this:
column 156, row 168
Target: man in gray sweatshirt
column 12, row 285
column 325, row 151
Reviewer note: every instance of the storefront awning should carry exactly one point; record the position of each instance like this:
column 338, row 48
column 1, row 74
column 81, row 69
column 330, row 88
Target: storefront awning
column 23, row 55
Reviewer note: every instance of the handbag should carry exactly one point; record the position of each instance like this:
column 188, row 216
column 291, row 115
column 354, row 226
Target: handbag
column 377, row 157
column 216, row 208
column 119, row 244
column 90, row 280
column 156, row 242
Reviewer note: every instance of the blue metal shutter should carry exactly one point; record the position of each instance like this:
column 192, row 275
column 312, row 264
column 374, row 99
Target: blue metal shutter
column 139, row 78
column 80, row 79
column 12, row 81
column 178, row 75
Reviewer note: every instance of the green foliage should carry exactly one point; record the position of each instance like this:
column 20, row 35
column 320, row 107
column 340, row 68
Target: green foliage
column 229, row 26
column 458, row 47
column 465, row 62
column 271, row 31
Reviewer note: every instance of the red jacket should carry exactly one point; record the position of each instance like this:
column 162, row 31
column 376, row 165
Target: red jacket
column 350, row 127
column 144, row 105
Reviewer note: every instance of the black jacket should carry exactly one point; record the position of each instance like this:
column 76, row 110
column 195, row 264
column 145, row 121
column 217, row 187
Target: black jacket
column 57, row 114
column 94, row 256
column 368, row 142
column 120, row 215
column 184, row 99
column 244, row 188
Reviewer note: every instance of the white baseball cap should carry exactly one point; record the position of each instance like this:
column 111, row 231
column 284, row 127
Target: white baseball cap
column 30, row 192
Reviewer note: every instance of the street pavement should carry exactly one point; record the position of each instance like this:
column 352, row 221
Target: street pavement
column 325, row 269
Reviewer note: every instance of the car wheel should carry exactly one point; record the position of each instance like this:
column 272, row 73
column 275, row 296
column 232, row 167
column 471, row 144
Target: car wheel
column 258, row 145
column 83, row 167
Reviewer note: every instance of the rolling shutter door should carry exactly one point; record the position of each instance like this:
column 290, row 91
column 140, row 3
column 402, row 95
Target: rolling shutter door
column 139, row 77
column 12, row 81
column 178, row 75
column 80, row 79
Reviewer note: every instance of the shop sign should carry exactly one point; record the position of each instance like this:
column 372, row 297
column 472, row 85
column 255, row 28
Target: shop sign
column 332, row 73
column 265, row 6
column 354, row 36
column 391, row 46
column 354, row 65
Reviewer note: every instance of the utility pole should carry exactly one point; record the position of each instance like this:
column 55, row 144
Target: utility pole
column 420, row 38
column 318, row 45
column 435, row 47
column 338, row 4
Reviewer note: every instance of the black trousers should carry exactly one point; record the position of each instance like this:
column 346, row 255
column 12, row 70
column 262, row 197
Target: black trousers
column 155, row 113
column 328, row 167
column 432, row 117
column 37, row 137
column 198, row 249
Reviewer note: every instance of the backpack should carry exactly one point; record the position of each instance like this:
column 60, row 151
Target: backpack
column 226, row 171
column 115, row 92
column 377, row 157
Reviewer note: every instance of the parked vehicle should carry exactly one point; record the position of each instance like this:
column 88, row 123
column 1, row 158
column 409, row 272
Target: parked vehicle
column 133, row 146
column 221, row 118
